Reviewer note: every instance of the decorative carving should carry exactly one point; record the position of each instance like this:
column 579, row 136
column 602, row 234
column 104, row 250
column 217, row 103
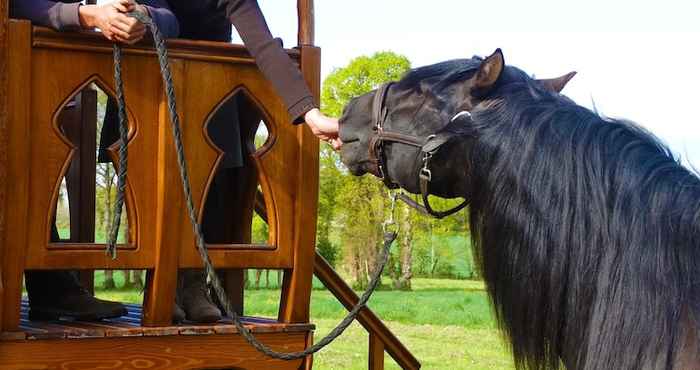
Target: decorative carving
column 236, row 128
column 78, row 122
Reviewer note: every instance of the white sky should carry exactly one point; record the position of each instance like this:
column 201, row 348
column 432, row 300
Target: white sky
column 638, row 60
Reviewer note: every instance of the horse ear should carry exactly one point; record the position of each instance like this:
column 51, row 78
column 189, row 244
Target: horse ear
column 557, row 84
column 489, row 72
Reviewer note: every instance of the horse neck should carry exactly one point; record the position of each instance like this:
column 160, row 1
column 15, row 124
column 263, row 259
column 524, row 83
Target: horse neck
column 450, row 169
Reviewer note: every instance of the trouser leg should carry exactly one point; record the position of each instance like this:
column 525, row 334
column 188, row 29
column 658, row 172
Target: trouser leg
column 57, row 293
column 193, row 294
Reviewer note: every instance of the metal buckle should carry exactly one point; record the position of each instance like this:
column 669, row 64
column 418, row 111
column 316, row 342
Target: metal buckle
column 380, row 169
column 425, row 173
column 390, row 225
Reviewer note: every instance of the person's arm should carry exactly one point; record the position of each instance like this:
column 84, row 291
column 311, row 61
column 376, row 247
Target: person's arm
column 270, row 57
column 71, row 16
column 278, row 68
column 59, row 16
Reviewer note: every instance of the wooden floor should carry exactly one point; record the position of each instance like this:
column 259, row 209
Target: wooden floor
column 124, row 344
column 130, row 326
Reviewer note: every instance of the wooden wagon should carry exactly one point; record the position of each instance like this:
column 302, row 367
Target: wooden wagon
column 47, row 129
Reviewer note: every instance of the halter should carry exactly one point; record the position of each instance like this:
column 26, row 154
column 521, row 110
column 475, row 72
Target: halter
column 428, row 147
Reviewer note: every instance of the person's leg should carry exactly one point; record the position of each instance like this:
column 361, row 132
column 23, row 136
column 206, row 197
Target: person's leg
column 231, row 221
column 57, row 293
column 193, row 294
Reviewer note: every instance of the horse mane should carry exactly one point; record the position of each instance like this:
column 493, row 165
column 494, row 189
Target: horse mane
column 436, row 76
column 586, row 232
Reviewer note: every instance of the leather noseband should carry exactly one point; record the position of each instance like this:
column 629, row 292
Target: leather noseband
column 428, row 147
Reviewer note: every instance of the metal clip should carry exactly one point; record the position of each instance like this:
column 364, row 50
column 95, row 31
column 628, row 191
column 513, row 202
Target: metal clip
column 380, row 169
column 425, row 173
column 393, row 196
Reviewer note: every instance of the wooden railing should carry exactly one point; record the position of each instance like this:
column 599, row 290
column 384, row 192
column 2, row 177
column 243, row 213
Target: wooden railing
column 381, row 339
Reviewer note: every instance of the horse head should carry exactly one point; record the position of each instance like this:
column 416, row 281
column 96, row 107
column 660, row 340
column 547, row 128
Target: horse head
column 433, row 102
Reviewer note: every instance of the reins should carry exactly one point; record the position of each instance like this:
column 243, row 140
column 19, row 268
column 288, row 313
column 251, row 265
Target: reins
column 428, row 147
column 389, row 234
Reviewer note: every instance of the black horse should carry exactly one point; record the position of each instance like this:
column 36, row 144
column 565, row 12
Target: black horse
column 586, row 229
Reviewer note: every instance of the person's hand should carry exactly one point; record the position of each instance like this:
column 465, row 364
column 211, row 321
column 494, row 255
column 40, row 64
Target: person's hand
column 324, row 127
column 112, row 20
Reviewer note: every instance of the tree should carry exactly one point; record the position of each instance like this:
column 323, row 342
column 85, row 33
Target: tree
column 355, row 203
column 329, row 184
column 362, row 75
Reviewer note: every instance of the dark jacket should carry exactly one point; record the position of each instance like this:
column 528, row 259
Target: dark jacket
column 205, row 19
column 63, row 15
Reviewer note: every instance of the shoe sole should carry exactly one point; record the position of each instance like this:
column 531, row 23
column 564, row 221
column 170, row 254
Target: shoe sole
column 51, row 315
column 205, row 320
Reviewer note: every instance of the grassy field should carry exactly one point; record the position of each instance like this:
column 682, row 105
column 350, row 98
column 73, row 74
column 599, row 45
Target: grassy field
column 447, row 324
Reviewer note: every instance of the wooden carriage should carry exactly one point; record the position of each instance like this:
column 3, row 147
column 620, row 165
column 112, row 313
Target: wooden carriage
column 47, row 131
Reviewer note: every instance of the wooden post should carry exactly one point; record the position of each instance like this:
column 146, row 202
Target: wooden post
column 80, row 124
column 161, row 281
column 305, row 14
column 296, row 287
column 18, row 94
column 376, row 353
column 3, row 134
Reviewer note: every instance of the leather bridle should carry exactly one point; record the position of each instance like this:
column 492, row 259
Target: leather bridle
column 428, row 147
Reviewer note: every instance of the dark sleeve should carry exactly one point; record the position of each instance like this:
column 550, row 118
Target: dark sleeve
column 270, row 57
column 59, row 16
column 162, row 15
column 64, row 16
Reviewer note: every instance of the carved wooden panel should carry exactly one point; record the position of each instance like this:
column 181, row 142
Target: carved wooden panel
column 56, row 76
column 275, row 162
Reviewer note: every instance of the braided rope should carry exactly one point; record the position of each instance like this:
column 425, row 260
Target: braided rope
column 389, row 236
column 123, row 144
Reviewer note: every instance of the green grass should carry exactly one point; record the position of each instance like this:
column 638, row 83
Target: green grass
column 100, row 237
column 419, row 307
column 447, row 324
column 435, row 346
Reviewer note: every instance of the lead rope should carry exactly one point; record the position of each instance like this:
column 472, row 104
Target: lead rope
column 389, row 235
column 123, row 142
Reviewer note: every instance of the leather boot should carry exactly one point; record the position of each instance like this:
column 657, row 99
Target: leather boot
column 56, row 294
column 178, row 314
column 193, row 296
